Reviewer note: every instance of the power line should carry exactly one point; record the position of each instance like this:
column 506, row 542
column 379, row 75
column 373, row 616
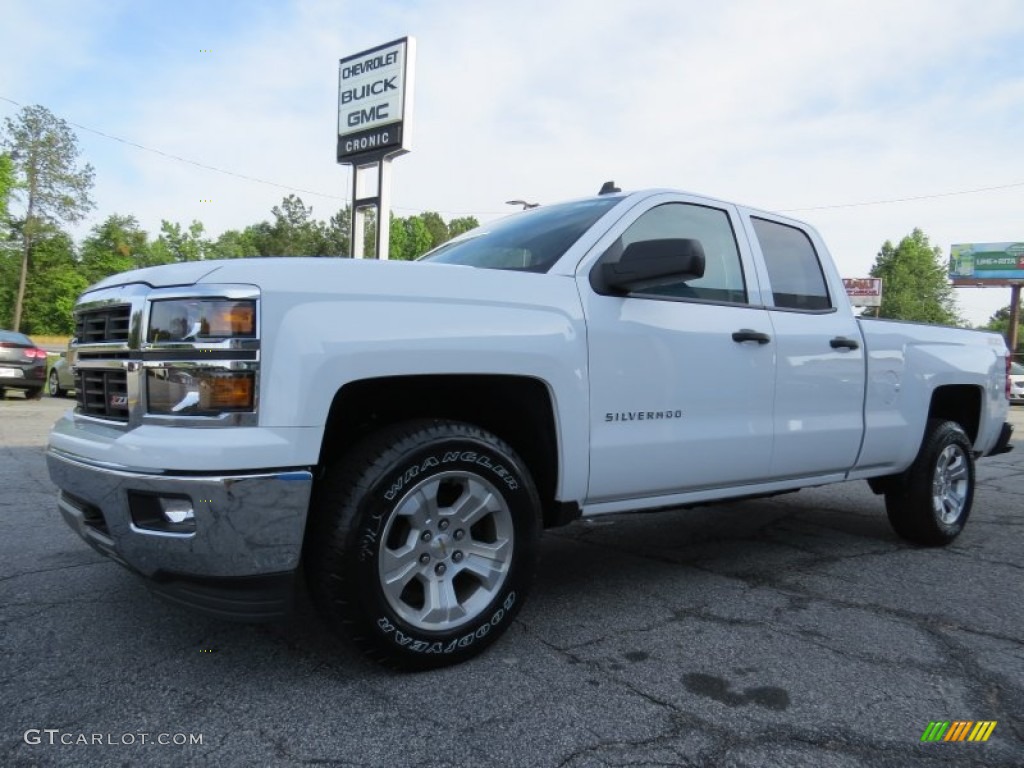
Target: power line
column 196, row 163
column 345, row 199
column 235, row 174
column 906, row 199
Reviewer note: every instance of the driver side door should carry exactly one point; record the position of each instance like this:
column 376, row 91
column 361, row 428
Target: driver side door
column 682, row 374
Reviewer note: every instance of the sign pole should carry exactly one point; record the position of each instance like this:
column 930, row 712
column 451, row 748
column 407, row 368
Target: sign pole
column 383, row 207
column 357, row 219
column 1011, row 341
column 374, row 121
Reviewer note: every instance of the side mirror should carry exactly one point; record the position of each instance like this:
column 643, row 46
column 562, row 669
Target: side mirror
column 648, row 263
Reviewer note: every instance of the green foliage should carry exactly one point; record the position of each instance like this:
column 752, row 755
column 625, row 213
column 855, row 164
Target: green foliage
column 419, row 239
column 10, row 264
column 1000, row 323
column 458, row 226
column 53, row 286
column 233, row 244
column 294, row 231
column 44, row 157
column 44, row 151
column 398, row 246
column 7, row 182
column 115, row 245
column 336, row 233
column 175, row 244
column 436, row 227
column 914, row 282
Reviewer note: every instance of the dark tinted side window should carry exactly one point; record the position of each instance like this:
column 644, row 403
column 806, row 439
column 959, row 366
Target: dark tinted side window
column 793, row 266
column 531, row 241
column 723, row 272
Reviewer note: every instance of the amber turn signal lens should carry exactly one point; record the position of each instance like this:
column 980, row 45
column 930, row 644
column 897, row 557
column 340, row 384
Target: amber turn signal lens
column 226, row 392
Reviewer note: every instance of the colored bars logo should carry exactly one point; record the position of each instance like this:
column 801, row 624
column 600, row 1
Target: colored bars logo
column 958, row 730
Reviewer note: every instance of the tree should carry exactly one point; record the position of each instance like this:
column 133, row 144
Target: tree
column 233, row 244
column 6, row 187
column 55, row 283
column 336, row 233
column 8, row 258
column 398, row 240
column 417, row 237
column 457, row 226
column 436, row 227
column 914, row 282
column 295, row 232
column 44, row 153
column 115, row 245
column 1000, row 322
column 176, row 244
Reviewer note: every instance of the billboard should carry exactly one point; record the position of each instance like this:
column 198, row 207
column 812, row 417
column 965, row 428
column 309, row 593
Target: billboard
column 864, row 291
column 375, row 101
column 986, row 263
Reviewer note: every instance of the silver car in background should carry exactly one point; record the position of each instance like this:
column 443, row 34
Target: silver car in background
column 61, row 379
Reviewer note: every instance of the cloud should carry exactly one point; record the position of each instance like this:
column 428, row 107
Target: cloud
column 779, row 105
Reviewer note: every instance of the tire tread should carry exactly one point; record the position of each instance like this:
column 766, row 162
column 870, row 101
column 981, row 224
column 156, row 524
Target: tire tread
column 330, row 536
column 908, row 502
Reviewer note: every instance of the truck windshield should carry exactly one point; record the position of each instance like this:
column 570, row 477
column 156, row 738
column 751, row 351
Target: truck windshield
column 530, row 241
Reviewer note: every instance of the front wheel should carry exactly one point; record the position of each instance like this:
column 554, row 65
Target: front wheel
column 423, row 542
column 930, row 503
column 53, row 385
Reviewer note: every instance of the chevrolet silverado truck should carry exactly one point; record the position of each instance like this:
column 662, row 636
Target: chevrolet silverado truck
column 400, row 433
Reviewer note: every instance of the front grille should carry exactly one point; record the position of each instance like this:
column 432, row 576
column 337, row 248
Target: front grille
column 94, row 326
column 103, row 394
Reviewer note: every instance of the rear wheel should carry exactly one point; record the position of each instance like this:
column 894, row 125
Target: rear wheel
column 34, row 394
column 930, row 503
column 423, row 542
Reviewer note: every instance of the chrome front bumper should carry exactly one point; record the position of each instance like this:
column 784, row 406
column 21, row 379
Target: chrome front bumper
column 239, row 560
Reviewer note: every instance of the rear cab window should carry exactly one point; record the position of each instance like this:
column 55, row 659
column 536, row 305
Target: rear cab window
column 794, row 268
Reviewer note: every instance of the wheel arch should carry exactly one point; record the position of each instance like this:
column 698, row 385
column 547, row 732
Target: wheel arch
column 960, row 403
column 518, row 409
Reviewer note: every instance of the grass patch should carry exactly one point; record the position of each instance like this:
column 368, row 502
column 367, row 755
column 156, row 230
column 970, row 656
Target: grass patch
column 58, row 341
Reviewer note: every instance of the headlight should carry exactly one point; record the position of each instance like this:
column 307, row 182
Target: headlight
column 199, row 392
column 194, row 319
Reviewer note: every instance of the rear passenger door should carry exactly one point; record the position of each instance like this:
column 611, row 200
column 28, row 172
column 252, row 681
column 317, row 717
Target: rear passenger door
column 819, row 387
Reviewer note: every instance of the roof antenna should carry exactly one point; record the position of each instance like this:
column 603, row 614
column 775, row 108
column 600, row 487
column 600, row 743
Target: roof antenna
column 609, row 188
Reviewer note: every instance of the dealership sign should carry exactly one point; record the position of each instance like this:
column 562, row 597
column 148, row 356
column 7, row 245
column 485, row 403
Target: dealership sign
column 987, row 263
column 375, row 102
column 864, row 291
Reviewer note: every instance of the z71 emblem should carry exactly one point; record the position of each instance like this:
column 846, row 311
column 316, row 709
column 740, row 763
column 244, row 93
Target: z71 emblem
column 119, row 401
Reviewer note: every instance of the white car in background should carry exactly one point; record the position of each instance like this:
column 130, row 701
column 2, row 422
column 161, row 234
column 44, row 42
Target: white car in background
column 1016, row 383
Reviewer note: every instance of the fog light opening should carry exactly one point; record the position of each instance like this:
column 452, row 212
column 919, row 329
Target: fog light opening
column 162, row 514
column 177, row 511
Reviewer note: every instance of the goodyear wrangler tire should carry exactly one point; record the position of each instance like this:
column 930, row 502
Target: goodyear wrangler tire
column 930, row 503
column 423, row 543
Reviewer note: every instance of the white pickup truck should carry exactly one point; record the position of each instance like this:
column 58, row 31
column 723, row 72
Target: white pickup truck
column 402, row 432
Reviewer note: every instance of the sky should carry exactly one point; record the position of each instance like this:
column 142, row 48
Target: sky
column 864, row 118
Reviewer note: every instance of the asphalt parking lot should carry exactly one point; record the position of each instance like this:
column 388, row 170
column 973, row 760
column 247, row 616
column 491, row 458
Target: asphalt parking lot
column 793, row 631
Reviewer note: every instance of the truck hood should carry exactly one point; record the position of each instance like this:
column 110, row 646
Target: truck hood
column 356, row 278
column 166, row 276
